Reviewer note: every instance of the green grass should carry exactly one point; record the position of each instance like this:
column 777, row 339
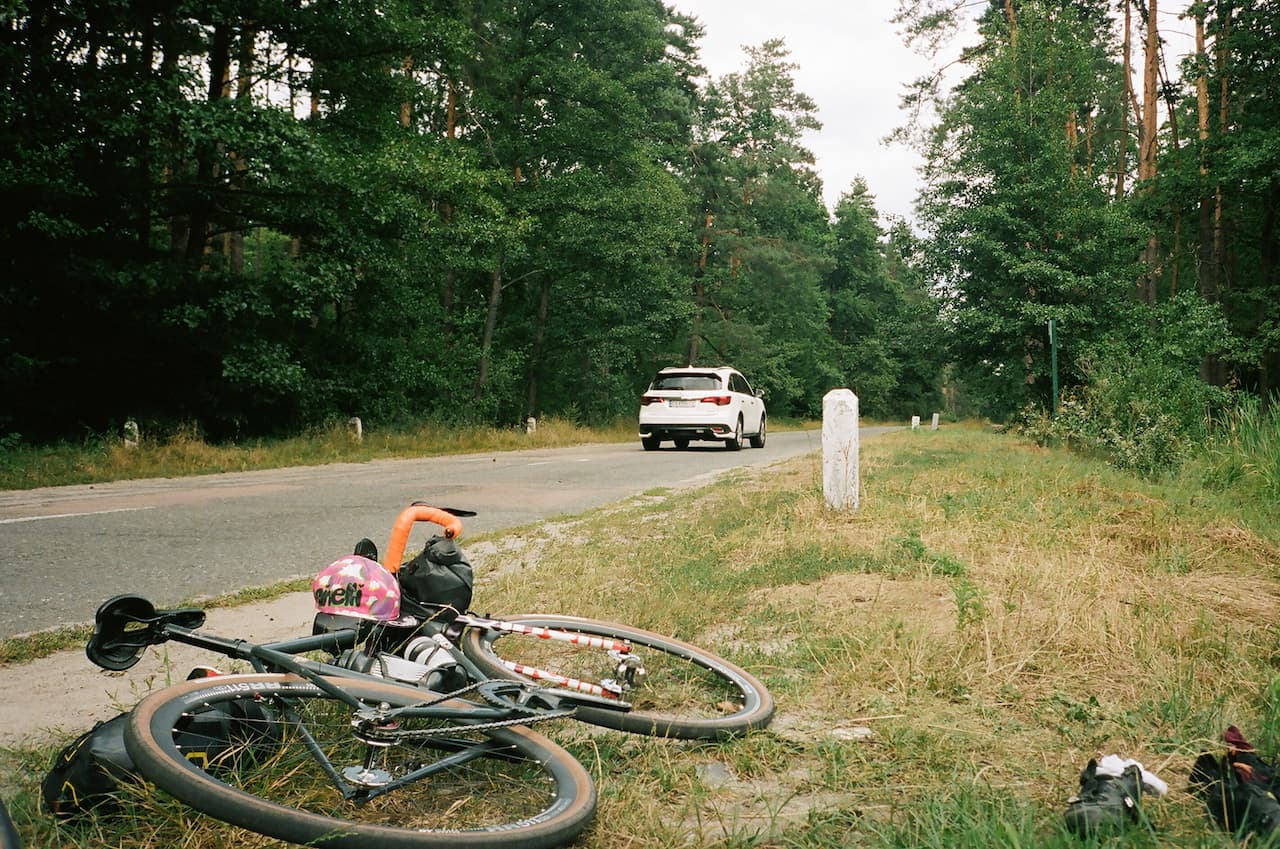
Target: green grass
column 945, row 659
column 1245, row 450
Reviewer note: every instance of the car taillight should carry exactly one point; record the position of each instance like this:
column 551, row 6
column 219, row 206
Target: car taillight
column 718, row 400
column 646, row 400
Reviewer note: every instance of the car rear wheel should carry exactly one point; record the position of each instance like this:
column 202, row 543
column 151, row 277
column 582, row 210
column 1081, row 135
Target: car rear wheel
column 734, row 442
column 757, row 441
column 650, row 443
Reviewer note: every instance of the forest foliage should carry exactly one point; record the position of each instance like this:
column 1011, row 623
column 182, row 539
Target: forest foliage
column 259, row 216
column 1086, row 172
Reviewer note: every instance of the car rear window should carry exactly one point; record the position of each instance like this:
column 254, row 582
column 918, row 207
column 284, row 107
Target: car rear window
column 686, row 381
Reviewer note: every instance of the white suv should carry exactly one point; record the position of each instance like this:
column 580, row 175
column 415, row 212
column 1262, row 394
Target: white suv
column 683, row 404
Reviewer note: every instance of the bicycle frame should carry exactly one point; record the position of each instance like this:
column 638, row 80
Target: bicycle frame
column 627, row 664
column 445, row 696
column 129, row 624
column 627, row 667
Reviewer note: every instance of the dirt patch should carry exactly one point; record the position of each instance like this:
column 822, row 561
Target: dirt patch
column 927, row 603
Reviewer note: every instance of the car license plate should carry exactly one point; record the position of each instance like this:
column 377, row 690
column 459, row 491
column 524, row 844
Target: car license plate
column 679, row 403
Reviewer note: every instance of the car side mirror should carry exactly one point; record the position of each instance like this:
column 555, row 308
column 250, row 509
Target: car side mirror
column 759, row 393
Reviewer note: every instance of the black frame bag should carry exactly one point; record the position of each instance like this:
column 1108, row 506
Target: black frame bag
column 88, row 772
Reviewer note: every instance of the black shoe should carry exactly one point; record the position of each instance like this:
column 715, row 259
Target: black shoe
column 1249, row 767
column 1105, row 802
column 1234, row 798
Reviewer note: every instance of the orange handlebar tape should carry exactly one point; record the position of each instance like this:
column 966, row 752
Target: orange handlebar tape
column 404, row 523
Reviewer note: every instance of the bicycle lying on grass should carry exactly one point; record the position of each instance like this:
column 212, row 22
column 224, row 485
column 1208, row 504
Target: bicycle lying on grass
column 425, row 747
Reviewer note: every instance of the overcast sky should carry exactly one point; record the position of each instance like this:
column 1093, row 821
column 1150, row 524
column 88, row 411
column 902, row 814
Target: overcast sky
column 851, row 61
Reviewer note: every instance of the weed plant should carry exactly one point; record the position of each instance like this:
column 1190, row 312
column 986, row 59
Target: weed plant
column 1244, row 450
column 945, row 659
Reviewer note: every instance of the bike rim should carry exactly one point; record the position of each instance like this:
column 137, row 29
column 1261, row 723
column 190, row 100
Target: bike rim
column 305, row 776
column 686, row 691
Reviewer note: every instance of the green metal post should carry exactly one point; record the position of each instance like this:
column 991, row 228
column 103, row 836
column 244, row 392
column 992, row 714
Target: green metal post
column 1053, row 359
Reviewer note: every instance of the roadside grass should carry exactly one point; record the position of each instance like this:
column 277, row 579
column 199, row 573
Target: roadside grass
column 945, row 659
column 186, row 452
column 1244, row 451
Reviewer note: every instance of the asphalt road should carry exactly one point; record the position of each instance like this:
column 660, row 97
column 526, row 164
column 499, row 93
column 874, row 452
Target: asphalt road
column 66, row 549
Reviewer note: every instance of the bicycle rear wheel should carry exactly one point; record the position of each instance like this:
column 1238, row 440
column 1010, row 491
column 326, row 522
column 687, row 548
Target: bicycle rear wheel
column 309, row 778
column 686, row 692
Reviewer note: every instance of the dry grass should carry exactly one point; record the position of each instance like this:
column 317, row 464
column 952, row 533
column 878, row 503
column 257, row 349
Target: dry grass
column 186, row 452
column 945, row 659
column 995, row 614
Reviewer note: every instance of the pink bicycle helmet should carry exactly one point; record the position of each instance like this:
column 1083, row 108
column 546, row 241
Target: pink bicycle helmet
column 357, row 586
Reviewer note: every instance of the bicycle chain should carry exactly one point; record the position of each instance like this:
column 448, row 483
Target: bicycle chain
column 485, row 690
column 395, row 734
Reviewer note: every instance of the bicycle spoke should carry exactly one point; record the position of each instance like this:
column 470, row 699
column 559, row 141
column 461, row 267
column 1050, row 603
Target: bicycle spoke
column 319, row 771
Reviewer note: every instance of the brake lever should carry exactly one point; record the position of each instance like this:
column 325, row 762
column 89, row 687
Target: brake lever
column 452, row 511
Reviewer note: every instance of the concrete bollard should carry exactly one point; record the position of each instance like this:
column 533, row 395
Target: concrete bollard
column 356, row 428
column 840, row 449
column 131, row 434
column 530, row 426
column 934, row 426
column 915, row 422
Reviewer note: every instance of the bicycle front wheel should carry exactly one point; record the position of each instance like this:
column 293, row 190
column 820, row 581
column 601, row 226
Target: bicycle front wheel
column 685, row 692
column 303, row 771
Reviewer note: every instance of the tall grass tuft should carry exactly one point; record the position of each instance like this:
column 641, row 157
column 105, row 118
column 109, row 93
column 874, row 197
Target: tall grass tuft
column 1244, row 448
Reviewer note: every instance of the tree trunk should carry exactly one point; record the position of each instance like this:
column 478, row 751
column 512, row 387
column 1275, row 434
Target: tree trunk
column 1013, row 26
column 1270, row 264
column 406, row 107
column 700, row 290
column 244, row 90
column 146, row 64
column 1206, row 265
column 179, row 218
column 450, row 276
column 451, row 112
column 1222, row 48
column 208, row 167
column 539, row 344
column 313, row 111
column 490, row 325
column 1089, row 128
column 1147, row 138
column 1122, row 156
column 1150, row 77
column 1073, row 142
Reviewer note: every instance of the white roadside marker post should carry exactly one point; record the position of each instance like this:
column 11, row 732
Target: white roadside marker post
column 840, row 449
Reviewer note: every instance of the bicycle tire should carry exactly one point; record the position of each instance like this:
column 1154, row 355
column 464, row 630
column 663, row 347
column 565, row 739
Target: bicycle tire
column 688, row 693
column 552, row 798
column 9, row 838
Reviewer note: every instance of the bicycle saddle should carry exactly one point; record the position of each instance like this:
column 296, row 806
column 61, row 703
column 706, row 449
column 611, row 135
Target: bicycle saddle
column 126, row 624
